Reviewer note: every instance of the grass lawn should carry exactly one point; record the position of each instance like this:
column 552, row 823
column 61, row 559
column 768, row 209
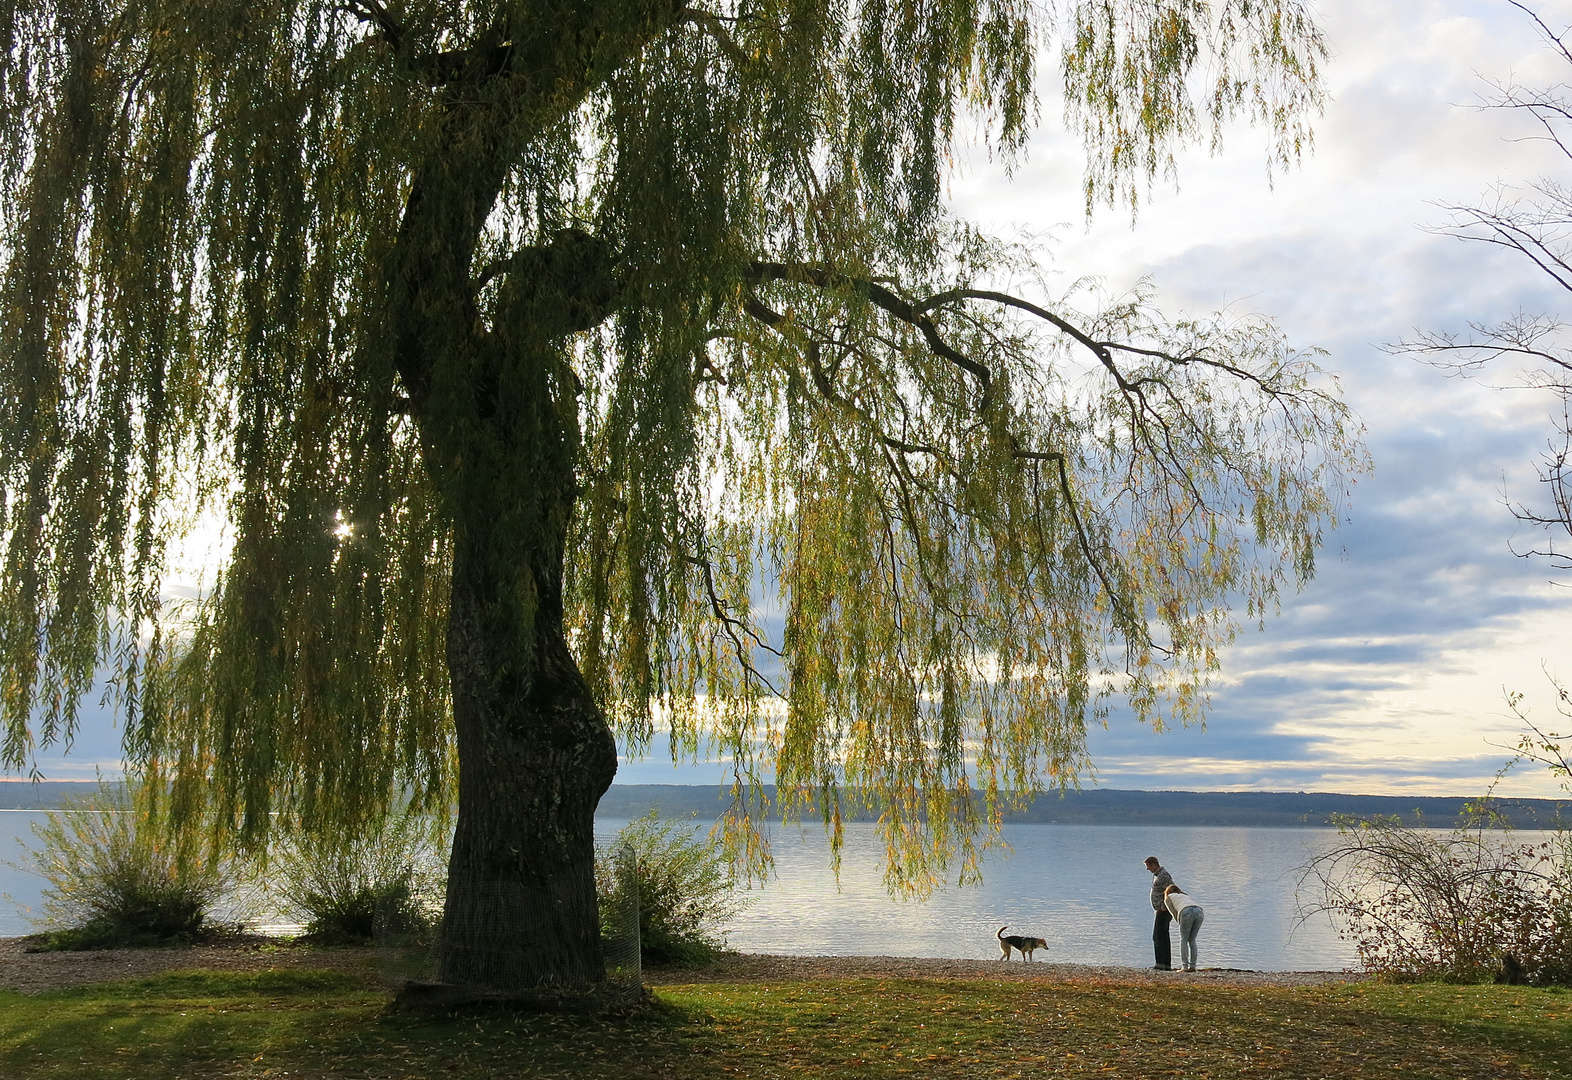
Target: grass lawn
column 320, row 1025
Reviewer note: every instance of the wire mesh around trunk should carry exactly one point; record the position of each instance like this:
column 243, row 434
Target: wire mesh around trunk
column 620, row 927
column 408, row 947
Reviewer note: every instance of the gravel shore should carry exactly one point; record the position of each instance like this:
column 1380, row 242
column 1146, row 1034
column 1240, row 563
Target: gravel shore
column 748, row 967
column 32, row 972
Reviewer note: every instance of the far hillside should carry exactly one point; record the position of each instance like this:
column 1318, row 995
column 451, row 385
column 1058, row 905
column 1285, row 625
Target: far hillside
column 43, row 794
column 1111, row 806
column 1101, row 806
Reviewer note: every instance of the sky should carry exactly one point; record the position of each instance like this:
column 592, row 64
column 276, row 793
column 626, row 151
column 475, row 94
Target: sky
column 1389, row 672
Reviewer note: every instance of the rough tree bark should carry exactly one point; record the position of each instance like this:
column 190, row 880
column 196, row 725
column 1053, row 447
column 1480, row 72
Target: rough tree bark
column 535, row 757
column 497, row 411
column 535, row 752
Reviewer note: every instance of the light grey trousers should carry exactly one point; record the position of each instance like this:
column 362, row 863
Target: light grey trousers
column 1189, row 922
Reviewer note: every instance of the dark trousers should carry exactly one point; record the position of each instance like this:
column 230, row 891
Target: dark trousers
column 1162, row 944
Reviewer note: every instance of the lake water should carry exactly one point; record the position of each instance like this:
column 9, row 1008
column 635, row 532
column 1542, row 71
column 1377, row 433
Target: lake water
column 1081, row 887
column 19, row 891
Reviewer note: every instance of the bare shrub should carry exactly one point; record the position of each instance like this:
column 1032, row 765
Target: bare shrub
column 1453, row 904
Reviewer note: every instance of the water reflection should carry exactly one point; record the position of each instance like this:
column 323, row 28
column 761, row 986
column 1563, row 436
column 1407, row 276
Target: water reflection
column 1081, row 887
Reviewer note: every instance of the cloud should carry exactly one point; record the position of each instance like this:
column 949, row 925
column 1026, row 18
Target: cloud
column 1387, row 672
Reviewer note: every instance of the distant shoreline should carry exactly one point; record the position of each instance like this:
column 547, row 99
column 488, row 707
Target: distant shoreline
column 1097, row 806
column 1114, row 806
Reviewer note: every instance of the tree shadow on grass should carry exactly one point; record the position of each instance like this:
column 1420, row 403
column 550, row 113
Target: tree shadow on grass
column 326, row 1025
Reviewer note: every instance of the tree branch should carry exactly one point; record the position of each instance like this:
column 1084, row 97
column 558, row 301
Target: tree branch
column 821, row 381
column 887, row 301
column 1061, row 464
column 731, row 625
column 712, row 25
column 453, row 65
column 1133, row 389
column 1555, row 39
column 916, row 314
column 373, row 12
column 1147, row 422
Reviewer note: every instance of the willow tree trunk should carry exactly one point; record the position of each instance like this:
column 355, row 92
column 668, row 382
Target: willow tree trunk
column 495, row 401
column 535, row 753
column 535, row 756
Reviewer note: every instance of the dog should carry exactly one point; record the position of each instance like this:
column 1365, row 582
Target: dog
column 1023, row 945
column 1512, row 972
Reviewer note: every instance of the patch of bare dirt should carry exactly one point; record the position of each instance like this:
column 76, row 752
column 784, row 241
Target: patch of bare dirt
column 31, row 972
column 34, row 971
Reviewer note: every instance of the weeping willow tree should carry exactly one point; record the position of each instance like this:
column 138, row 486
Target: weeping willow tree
column 568, row 370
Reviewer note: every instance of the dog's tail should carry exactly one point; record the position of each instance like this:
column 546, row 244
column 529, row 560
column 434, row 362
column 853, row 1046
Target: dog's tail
column 1002, row 929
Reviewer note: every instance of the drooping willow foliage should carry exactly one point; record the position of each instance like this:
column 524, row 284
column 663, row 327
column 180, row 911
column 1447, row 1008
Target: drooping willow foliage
column 849, row 508
column 965, row 569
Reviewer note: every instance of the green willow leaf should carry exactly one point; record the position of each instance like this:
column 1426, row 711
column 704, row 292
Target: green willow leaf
column 654, row 305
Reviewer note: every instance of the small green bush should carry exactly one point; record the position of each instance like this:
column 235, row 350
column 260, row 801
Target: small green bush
column 1552, row 957
column 120, row 877
column 349, row 890
column 687, row 890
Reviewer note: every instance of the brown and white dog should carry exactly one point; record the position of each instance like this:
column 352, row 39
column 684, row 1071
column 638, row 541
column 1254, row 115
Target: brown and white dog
column 1024, row 945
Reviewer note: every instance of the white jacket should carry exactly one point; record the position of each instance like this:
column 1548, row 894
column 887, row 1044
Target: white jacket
column 1177, row 902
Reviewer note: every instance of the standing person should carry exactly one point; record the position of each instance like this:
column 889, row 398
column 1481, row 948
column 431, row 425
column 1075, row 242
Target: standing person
column 1162, row 944
column 1189, row 914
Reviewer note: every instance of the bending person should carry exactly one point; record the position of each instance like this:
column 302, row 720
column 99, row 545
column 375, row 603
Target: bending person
column 1188, row 914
